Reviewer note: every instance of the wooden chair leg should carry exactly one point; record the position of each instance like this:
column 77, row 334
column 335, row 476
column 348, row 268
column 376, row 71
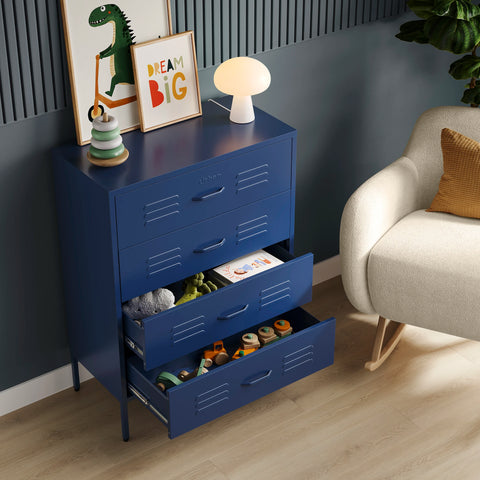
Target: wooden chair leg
column 380, row 353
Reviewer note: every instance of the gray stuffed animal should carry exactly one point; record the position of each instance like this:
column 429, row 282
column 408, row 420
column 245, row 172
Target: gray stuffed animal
column 149, row 304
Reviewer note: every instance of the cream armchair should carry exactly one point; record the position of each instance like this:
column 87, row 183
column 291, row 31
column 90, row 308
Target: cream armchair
column 405, row 264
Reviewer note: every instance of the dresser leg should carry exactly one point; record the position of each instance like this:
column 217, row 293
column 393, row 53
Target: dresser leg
column 75, row 375
column 124, row 414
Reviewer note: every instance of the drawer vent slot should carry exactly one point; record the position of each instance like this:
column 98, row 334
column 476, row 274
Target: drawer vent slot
column 297, row 359
column 212, row 398
column 255, row 177
column 252, row 228
column 276, row 293
column 163, row 261
column 161, row 209
column 187, row 330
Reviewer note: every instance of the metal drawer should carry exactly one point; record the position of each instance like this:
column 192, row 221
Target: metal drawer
column 168, row 205
column 204, row 245
column 230, row 386
column 182, row 329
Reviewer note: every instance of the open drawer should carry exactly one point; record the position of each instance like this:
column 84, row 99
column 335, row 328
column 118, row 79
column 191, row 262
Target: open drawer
column 230, row 386
column 187, row 327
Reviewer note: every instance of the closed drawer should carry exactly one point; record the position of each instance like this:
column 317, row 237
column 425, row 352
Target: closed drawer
column 168, row 205
column 185, row 328
column 204, row 245
column 225, row 388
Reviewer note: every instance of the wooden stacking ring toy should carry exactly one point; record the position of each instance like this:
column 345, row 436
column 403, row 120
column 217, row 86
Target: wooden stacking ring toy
column 106, row 148
column 282, row 328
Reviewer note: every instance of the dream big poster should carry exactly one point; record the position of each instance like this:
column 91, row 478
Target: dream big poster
column 166, row 80
column 98, row 38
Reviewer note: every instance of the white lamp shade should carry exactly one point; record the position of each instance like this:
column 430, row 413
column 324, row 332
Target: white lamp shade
column 242, row 76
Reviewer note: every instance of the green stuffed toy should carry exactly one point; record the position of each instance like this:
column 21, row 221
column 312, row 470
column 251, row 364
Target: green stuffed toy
column 195, row 287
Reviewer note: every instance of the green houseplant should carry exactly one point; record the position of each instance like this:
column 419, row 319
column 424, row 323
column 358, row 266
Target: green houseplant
column 454, row 26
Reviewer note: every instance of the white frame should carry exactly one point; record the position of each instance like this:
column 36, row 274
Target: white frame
column 172, row 108
column 149, row 20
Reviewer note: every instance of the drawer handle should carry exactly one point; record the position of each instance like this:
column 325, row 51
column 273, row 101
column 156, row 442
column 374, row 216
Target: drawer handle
column 234, row 314
column 208, row 195
column 259, row 379
column 210, row 247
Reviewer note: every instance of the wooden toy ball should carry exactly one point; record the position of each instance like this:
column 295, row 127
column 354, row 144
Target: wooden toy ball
column 106, row 148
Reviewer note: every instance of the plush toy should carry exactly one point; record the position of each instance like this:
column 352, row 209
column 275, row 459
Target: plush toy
column 149, row 304
column 195, row 287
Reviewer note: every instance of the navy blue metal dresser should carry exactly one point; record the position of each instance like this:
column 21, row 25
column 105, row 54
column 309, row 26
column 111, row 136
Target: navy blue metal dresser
column 189, row 198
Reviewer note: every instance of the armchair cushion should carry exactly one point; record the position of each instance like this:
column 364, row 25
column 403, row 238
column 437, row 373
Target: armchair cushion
column 459, row 189
column 425, row 271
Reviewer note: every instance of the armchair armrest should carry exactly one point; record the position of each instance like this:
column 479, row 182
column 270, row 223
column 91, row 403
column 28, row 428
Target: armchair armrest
column 370, row 212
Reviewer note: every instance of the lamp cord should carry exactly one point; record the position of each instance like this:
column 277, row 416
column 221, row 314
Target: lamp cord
column 219, row 104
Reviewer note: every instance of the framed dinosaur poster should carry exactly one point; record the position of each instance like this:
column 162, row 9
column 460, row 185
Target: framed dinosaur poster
column 98, row 38
column 166, row 80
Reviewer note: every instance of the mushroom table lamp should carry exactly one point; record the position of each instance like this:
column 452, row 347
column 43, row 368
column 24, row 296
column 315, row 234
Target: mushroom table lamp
column 242, row 77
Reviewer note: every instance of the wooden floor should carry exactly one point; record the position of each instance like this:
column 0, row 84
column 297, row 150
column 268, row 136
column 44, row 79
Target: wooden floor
column 417, row 417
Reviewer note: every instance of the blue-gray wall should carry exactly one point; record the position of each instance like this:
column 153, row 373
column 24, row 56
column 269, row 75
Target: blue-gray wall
column 353, row 95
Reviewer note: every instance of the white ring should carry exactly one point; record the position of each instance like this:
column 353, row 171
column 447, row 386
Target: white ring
column 107, row 144
column 101, row 126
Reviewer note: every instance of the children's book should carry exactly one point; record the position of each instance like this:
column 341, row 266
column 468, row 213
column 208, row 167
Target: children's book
column 245, row 267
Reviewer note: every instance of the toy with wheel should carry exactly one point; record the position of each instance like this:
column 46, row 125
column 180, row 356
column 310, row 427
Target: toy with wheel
column 97, row 110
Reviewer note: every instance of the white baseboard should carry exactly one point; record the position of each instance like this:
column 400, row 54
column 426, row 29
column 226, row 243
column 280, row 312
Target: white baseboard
column 40, row 387
column 325, row 270
column 60, row 379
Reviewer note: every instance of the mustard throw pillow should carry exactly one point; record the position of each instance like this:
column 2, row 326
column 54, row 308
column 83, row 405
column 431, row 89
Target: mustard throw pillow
column 459, row 189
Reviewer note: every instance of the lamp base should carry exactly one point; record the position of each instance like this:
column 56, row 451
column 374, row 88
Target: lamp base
column 242, row 109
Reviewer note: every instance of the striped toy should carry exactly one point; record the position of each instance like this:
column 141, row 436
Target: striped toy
column 106, row 147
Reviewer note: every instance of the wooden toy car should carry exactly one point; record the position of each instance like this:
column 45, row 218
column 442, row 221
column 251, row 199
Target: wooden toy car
column 218, row 355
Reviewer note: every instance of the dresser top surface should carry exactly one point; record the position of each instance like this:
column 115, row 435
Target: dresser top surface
column 179, row 147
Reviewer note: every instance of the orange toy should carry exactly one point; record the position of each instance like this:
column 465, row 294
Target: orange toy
column 248, row 345
column 218, row 354
column 282, row 328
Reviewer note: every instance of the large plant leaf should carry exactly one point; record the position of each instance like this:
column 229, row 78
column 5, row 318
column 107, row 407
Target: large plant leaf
column 422, row 8
column 467, row 67
column 413, row 32
column 441, row 7
column 472, row 96
column 463, row 10
column 453, row 35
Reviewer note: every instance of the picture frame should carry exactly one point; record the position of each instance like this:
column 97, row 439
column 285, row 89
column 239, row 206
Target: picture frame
column 98, row 37
column 166, row 80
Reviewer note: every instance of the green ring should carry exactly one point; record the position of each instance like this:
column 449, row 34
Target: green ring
column 102, row 136
column 103, row 154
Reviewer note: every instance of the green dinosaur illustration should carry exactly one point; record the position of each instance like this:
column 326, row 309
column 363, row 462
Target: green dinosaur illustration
column 119, row 51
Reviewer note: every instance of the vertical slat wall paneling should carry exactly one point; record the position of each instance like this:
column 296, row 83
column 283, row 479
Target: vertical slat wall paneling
column 35, row 57
column 250, row 27
column 54, row 18
column 203, row 24
column 259, row 22
column 234, row 48
column 194, row 18
column 33, row 67
column 44, row 43
column 24, row 60
column 285, row 23
column 267, row 25
column 225, row 38
column 242, row 27
column 5, row 88
column 217, row 31
column 274, row 24
column 13, row 60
